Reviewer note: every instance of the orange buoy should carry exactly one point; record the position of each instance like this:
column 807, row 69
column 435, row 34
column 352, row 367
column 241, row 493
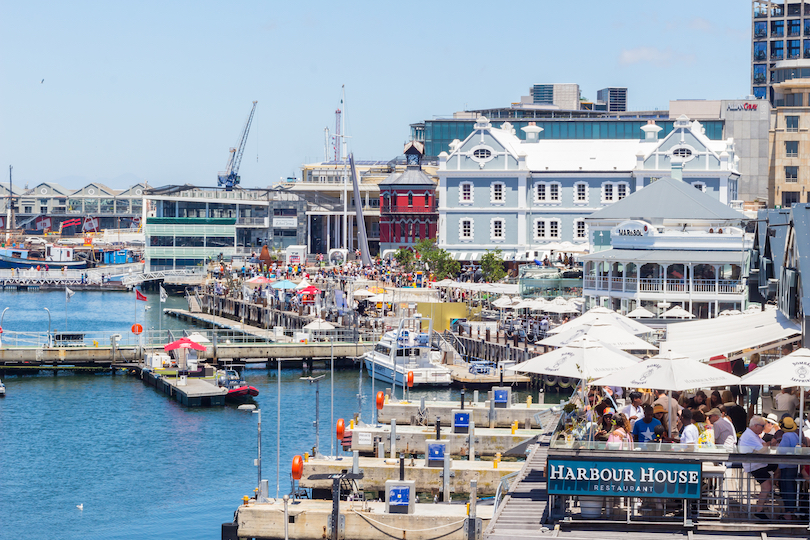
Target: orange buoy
column 380, row 400
column 410, row 379
column 297, row 467
column 341, row 427
column 137, row 328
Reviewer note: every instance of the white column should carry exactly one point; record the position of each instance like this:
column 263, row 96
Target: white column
column 309, row 234
column 624, row 276
column 691, row 268
column 328, row 233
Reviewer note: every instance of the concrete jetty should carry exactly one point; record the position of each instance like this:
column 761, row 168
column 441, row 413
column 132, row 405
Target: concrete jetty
column 428, row 479
column 310, row 520
column 406, row 412
column 188, row 391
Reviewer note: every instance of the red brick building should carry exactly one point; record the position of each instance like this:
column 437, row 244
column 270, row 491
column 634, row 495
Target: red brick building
column 408, row 209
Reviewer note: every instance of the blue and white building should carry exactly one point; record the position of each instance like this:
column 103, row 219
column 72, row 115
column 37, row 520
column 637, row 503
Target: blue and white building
column 530, row 197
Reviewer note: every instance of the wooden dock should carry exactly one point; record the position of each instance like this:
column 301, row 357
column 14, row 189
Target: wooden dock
column 463, row 377
column 193, row 392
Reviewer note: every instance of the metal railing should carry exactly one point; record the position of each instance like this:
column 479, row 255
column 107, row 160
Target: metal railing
column 722, row 286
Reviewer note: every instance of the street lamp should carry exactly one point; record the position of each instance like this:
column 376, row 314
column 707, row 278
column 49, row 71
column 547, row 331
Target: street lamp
column 49, row 325
column 317, row 381
column 262, row 495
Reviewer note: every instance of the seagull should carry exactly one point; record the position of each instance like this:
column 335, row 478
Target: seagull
column 43, row 80
column 79, row 506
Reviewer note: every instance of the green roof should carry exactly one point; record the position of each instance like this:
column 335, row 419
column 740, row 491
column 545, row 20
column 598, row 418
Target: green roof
column 189, row 221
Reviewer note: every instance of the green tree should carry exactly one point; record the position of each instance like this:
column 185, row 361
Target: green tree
column 492, row 266
column 405, row 259
column 436, row 260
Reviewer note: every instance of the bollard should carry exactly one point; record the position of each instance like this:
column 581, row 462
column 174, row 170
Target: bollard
column 355, row 461
column 491, row 412
column 514, row 427
column 286, row 517
column 473, row 497
column 438, row 428
column 306, row 457
column 472, row 441
column 462, row 399
column 529, row 402
column 475, row 396
column 401, row 467
column 445, row 478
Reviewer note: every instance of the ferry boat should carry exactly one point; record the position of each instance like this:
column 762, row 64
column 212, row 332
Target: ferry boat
column 408, row 349
column 56, row 258
column 236, row 386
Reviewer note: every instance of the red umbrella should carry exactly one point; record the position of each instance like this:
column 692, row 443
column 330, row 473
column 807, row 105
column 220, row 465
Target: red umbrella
column 184, row 343
column 260, row 280
column 309, row 290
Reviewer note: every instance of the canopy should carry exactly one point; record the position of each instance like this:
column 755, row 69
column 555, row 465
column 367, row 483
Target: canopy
column 283, row 284
column 309, row 290
column 362, row 293
column 729, row 312
column 641, row 313
column 199, row 338
column 524, row 304
column 670, row 371
column 303, row 285
column 260, row 280
column 319, row 324
column 184, row 343
column 444, row 283
column 502, row 302
column 582, row 358
column 603, row 331
column 790, row 370
column 705, row 338
column 634, row 327
column 557, row 308
column 678, row 313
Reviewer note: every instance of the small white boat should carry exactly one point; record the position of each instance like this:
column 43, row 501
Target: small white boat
column 2, row 389
column 408, row 349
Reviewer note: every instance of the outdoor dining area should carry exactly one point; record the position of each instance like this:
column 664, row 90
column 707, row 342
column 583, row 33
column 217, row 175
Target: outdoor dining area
column 662, row 436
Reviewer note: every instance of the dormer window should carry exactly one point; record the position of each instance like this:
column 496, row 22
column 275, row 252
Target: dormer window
column 682, row 153
column 482, row 153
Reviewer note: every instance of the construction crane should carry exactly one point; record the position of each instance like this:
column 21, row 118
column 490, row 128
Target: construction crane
column 230, row 177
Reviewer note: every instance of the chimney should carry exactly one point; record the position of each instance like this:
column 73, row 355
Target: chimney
column 677, row 169
column 651, row 131
column 532, row 132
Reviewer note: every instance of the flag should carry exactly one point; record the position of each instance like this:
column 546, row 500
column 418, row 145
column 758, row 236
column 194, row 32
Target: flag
column 68, row 294
column 163, row 295
column 140, row 296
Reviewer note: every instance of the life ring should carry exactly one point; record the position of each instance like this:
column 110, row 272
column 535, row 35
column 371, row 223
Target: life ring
column 410, row 379
column 340, row 429
column 297, row 467
column 380, row 400
column 550, row 380
column 565, row 382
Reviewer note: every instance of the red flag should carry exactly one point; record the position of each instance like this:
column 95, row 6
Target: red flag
column 139, row 295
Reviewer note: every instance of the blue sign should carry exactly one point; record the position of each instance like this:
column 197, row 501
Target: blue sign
column 607, row 477
column 436, row 451
column 399, row 496
column 501, row 396
column 462, row 419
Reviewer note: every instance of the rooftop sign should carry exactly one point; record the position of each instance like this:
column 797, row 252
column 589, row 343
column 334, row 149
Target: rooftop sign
column 632, row 228
column 742, row 107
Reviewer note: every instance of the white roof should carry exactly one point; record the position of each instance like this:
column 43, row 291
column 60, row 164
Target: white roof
column 706, row 338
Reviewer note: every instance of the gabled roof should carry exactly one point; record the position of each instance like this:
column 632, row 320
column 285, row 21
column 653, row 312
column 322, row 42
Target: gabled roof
column 36, row 190
column 103, row 190
column 776, row 244
column 668, row 198
column 411, row 177
column 800, row 216
column 4, row 188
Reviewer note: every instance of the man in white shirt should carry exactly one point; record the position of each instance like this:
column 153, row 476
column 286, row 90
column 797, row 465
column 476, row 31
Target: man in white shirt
column 723, row 428
column 633, row 411
column 785, row 400
column 689, row 435
column 751, row 442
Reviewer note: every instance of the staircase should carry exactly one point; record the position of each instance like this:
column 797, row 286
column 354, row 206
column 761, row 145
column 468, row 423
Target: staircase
column 522, row 513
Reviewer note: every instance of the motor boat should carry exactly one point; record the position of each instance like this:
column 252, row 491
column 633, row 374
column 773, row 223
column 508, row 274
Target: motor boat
column 408, row 349
column 2, row 389
column 236, row 386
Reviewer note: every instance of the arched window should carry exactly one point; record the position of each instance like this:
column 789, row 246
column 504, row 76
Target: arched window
column 410, row 200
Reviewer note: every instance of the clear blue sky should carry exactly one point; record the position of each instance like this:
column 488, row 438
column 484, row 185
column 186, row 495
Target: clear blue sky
column 159, row 91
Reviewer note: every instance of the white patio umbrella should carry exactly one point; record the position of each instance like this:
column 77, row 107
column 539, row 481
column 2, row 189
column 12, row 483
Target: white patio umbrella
column 303, row 285
column 362, row 293
column 641, row 313
column 790, row 370
column 502, row 302
column 581, row 358
column 670, row 371
column 523, row 304
column 634, row 327
column 729, row 312
column 602, row 331
column 319, row 324
column 678, row 313
column 560, row 308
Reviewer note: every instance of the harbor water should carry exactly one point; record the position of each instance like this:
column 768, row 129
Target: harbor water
column 140, row 464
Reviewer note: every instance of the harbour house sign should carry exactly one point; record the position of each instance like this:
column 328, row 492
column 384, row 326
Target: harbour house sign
column 607, row 477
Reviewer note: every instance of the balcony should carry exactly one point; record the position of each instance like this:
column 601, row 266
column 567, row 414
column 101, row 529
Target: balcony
column 406, row 209
column 652, row 285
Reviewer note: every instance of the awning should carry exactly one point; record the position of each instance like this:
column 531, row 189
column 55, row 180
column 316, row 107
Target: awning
column 706, row 338
column 642, row 256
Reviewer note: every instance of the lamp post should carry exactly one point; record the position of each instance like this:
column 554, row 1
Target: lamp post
column 317, row 381
column 252, row 408
column 49, row 325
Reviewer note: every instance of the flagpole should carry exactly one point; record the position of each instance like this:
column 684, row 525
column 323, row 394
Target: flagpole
column 66, row 299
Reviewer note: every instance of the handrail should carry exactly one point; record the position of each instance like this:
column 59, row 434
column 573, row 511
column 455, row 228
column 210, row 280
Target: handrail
column 499, row 492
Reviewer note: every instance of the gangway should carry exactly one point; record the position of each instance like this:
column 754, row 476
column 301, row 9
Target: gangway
column 134, row 279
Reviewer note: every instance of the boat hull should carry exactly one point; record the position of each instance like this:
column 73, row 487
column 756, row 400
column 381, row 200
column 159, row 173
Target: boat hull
column 242, row 392
column 13, row 262
column 422, row 376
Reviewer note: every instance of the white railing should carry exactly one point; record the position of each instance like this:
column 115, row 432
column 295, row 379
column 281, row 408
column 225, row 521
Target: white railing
column 133, row 279
column 710, row 286
column 676, row 285
column 649, row 285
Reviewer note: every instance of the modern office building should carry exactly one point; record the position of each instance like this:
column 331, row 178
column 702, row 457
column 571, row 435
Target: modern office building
column 529, row 197
column 561, row 96
column 779, row 31
column 252, row 217
column 614, row 98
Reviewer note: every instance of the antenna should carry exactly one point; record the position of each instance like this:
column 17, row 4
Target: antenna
column 326, row 143
column 336, row 138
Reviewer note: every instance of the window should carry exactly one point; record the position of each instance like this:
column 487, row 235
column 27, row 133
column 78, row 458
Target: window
column 792, row 148
column 789, row 198
column 699, row 186
column 760, row 29
column 791, row 124
column 497, row 193
column 554, row 229
column 777, row 28
column 43, row 209
column 482, row 153
column 465, row 194
column 760, row 51
column 580, row 230
column 283, row 212
column 759, row 74
column 682, row 152
column 496, row 230
column 794, row 48
column 410, row 200
column 794, row 27
column 427, row 200
column 794, row 100
column 465, row 230
column 581, row 192
column 621, row 191
column 791, row 174
column 607, row 192
column 777, row 50
column 547, row 192
column 539, row 229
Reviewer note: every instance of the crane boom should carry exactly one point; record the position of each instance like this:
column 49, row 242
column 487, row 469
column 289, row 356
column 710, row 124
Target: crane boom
column 230, row 177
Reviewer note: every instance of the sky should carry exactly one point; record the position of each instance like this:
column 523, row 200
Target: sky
column 122, row 92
